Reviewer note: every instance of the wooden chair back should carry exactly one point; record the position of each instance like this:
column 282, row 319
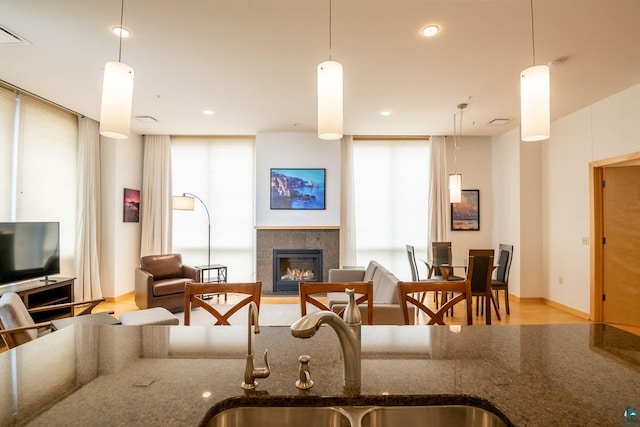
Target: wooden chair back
column 481, row 279
column 17, row 325
column 310, row 290
column 505, row 254
column 193, row 297
column 411, row 255
column 461, row 291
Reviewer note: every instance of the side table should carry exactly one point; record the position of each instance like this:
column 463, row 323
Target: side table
column 219, row 276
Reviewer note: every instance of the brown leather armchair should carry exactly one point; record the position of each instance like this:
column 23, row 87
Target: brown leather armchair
column 160, row 281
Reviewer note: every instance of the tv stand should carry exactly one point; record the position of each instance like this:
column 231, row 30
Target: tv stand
column 43, row 292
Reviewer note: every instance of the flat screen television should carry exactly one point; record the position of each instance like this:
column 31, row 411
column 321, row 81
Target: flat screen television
column 28, row 250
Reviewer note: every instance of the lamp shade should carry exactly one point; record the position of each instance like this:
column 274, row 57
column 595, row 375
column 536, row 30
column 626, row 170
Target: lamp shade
column 330, row 100
column 534, row 103
column 455, row 188
column 117, row 93
column 183, row 203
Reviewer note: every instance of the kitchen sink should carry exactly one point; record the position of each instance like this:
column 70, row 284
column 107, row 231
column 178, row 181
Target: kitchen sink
column 362, row 411
column 432, row 416
column 277, row 416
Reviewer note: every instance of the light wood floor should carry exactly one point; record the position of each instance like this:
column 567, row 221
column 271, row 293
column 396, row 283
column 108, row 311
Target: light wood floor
column 522, row 313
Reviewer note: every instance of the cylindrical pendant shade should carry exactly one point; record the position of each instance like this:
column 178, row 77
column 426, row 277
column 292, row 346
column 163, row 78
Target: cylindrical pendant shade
column 117, row 93
column 330, row 100
column 534, row 103
column 455, row 188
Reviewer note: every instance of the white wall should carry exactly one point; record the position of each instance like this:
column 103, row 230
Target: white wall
column 474, row 162
column 296, row 150
column 605, row 129
column 121, row 167
column 505, row 182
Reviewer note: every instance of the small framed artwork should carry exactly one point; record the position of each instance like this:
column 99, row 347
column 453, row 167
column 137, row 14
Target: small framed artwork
column 302, row 189
column 131, row 205
column 465, row 216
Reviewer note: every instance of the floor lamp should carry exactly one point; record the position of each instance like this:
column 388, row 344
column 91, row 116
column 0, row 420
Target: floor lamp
column 186, row 202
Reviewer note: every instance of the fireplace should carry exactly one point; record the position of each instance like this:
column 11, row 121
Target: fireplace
column 292, row 266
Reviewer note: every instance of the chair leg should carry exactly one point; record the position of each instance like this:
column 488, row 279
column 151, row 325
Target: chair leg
column 498, row 298
column 495, row 306
column 506, row 300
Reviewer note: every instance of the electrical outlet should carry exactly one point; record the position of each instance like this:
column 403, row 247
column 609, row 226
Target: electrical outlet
column 560, row 280
column 585, row 241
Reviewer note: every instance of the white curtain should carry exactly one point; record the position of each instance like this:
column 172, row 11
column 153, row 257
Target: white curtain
column 87, row 255
column 156, row 196
column 437, row 211
column 347, row 206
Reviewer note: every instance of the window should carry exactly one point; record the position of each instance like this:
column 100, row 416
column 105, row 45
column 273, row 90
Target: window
column 220, row 171
column 7, row 110
column 391, row 186
column 38, row 170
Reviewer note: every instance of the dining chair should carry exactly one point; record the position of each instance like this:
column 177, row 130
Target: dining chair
column 481, row 281
column 460, row 291
column 501, row 282
column 441, row 264
column 411, row 255
column 18, row 327
column 309, row 292
column 194, row 293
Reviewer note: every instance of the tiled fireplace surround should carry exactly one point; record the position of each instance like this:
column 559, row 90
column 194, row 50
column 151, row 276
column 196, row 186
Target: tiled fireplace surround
column 270, row 238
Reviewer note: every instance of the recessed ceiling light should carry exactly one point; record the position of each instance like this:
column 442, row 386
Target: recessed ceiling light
column 208, row 112
column 385, row 113
column 430, row 30
column 121, row 32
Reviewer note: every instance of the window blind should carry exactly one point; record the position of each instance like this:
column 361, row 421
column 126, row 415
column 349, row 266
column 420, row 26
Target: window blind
column 7, row 110
column 391, row 187
column 220, row 171
column 47, row 177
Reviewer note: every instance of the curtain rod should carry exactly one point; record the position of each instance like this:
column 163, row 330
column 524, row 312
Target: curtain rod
column 20, row 91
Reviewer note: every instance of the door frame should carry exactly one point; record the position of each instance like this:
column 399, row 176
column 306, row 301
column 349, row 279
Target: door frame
column 596, row 173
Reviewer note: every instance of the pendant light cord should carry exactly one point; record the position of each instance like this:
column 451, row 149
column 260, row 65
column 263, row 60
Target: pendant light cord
column 121, row 29
column 455, row 147
column 533, row 36
column 330, row 13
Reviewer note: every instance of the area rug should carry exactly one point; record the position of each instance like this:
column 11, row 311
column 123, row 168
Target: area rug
column 270, row 315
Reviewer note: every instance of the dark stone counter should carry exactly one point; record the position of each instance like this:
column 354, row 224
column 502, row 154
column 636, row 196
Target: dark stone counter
column 172, row 375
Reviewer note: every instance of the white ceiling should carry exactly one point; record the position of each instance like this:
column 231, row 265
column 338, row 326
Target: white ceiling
column 254, row 61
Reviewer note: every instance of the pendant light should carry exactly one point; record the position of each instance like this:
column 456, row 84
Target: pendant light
column 117, row 94
column 534, row 98
column 455, row 179
column 330, row 96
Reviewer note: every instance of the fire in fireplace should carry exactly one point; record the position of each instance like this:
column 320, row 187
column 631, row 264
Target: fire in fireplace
column 292, row 266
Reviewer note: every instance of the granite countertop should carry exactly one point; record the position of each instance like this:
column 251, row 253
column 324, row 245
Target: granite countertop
column 172, row 375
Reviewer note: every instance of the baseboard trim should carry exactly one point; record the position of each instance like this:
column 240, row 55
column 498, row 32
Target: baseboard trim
column 120, row 298
column 553, row 304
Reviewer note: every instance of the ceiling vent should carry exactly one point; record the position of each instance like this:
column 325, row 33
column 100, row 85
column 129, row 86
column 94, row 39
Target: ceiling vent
column 499, row 122
column 9, row 38
column 146, row 119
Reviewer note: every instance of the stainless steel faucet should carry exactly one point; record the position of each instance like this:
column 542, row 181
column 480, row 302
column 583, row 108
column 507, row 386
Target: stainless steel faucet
column 251, row 373
column 348, row 332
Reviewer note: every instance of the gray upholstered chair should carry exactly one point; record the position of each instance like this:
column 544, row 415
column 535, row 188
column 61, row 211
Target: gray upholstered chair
column 501, row 282
column 18, row 327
